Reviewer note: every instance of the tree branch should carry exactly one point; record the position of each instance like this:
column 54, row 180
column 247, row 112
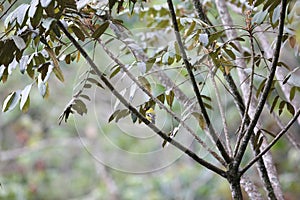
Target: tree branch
column 267, row 87
column 135, row 111
column 275, row 140
column 188, row 66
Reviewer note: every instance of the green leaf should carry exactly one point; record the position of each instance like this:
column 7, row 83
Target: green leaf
column 290, row 108
column 94, row 81
column 292, row 93
column 79, row 106
column 161, row 98
column 259, row 17
column 215, row 36
column 281, row 106
column 43, row 87
column 260, row 88
column 190, row 29
column 23, row 63
column 19, row 42
column 170, row 98
column 24, row 103
column 200, row 120
column 150, row 63
column 100, row 30
column 274, row 103
column 85, row 97
column 11, row 101
column 113, row 115
column 122, row 114
column 115, row 72
column 145, row 83
column 258, row 2
column 230, row 53
column 79, row 34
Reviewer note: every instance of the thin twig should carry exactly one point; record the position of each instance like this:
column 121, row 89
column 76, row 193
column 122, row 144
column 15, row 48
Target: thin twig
column 188, row 66
column 135, row 111
column 271, row 144
column 160, row 104
column 267, row 87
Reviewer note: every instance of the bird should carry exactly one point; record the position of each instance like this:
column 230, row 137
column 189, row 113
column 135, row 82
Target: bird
column 150, row 115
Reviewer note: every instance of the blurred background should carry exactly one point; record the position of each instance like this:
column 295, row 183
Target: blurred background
column 89, row 158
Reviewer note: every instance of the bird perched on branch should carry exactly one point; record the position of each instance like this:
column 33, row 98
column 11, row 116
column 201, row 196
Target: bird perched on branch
column 150, row 115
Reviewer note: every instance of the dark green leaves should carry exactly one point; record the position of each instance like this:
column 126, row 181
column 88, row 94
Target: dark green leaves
column 100, row 30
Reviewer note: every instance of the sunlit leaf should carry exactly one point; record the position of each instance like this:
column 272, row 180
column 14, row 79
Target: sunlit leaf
column 24, row 103
column 45, row 3
column 19, row 42
column 11, row 101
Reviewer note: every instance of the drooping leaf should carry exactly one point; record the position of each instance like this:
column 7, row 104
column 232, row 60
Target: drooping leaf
column 24, row 103
column 170, row 98
column 292, row 93
column 115, row 72
column 79, row 106
column 259, row 17
column 113, row 115
column 274, row 103
column 79, row 34
column 43, row 87
column 290, row 108
column 19, row 42
column 261, row 87
column 122, row 114
column 150, row 63
column 85, row 97
column 23, row 63
column 95, row 82
column 161, row 98
column 200, row 120
column 100, row 30
column 11, row 101
column 87, row 85
column 281, row 106
column 145, row 83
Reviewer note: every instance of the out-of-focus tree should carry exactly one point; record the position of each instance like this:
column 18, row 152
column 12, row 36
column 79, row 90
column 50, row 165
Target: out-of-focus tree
column 192, row 54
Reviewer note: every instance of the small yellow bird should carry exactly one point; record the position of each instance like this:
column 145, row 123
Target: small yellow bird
column 150, row 115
